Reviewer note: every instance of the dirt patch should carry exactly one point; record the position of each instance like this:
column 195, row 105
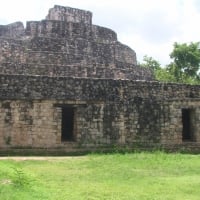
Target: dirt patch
column 6, row 182
column 23, row 158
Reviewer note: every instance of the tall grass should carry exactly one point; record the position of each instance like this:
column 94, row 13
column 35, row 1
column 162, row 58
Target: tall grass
column 140, row 176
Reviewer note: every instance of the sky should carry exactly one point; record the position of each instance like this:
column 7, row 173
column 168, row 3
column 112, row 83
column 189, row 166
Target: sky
column 150, row 27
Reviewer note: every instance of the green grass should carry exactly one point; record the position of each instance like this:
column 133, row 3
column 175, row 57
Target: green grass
column 149, row 176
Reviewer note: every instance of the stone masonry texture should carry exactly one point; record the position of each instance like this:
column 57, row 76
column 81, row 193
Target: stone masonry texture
column 67, row 62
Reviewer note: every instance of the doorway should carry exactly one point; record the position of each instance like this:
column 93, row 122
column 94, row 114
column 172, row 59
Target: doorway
column 187, row 131
column 67, row 124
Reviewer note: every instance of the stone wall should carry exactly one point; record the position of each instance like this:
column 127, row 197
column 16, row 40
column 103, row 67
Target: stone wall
column 103, row 35
column 107, row 112
column 70, row 46
column 61, row 13
column 44, row 87
column 14, row 30
column 27, row 124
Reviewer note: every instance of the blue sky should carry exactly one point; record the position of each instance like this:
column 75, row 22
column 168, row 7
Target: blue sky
column 150, row 27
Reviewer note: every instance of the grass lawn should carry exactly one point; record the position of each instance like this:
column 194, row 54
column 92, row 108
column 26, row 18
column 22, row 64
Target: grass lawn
column 149, row 176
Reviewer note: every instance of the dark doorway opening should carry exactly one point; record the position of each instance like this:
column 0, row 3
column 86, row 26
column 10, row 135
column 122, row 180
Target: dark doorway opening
column 187, row 126
column 67, row 124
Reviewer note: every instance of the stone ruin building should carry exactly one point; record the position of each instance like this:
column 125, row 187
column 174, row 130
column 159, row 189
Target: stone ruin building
column 68, row 84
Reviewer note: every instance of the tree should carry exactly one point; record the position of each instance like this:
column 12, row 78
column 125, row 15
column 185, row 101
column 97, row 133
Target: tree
column 150, row 63
column 186, row 62
column 164, row 75
column 160, row 73
column 184, row 68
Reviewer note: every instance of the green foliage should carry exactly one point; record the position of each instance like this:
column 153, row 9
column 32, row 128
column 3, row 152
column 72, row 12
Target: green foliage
column 160, row 73
column 181, row 77
column 150, row 63
column 185, row 67
column 163, row 75
column 186, row 61
column 98, row 176
column 19, row 178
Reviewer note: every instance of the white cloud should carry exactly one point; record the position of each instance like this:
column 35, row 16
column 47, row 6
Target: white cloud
column 148, row 26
